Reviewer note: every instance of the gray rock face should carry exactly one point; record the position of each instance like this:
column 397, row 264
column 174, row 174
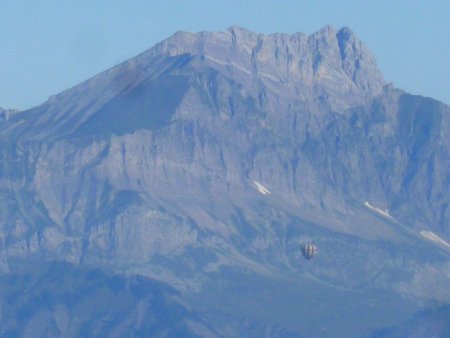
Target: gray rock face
column 216, row 154
column 328, row 62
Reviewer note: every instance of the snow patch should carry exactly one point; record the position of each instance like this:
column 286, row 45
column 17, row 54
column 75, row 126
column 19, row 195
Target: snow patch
column 435, row 238
column 230, row 64
column 242, row 69
column 262, row 189
column 384, row 213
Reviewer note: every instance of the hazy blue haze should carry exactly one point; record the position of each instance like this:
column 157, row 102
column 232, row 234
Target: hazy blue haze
column 48, row 46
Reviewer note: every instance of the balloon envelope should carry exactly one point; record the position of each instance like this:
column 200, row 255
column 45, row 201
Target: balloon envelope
column 309, row 251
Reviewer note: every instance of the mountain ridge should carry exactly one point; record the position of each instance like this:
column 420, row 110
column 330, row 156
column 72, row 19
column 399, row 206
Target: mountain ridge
column 187, row 39
column 309, row 79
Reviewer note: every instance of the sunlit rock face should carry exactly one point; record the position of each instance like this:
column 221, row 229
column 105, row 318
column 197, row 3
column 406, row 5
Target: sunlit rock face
column 209, row 160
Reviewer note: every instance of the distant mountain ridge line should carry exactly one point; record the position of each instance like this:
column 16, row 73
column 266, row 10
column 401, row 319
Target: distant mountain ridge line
column 183, row 42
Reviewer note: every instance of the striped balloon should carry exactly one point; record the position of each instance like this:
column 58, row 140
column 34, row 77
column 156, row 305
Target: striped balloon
column 309, row 250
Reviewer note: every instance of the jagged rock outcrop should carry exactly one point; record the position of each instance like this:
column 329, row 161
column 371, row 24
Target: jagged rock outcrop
column 6, row 113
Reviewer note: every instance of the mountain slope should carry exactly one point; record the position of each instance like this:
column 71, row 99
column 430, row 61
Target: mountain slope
column 59, row 300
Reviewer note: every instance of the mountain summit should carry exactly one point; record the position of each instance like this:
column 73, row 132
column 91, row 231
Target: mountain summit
column 209, row 161
column 331, row 66
column 329, row 61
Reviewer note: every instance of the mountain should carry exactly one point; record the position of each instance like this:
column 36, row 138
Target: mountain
column 60, row 300
column 209, row 160
column 424, row 324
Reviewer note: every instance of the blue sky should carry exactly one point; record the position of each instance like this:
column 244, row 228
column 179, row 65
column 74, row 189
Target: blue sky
column 49, row 46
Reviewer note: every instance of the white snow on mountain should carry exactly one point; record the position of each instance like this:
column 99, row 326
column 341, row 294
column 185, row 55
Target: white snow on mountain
column 384, row 213
column 435, row 238
column 262, row 189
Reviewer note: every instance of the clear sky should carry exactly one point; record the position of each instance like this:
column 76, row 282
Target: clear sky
column 50, row 45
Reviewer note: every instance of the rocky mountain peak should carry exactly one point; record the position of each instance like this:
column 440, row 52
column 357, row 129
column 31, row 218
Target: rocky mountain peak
column 329, row 62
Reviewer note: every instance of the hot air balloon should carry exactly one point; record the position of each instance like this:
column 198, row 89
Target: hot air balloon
column 309, row 250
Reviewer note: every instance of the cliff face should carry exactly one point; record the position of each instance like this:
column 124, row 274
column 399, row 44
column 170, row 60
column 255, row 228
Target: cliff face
column 219, row 151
